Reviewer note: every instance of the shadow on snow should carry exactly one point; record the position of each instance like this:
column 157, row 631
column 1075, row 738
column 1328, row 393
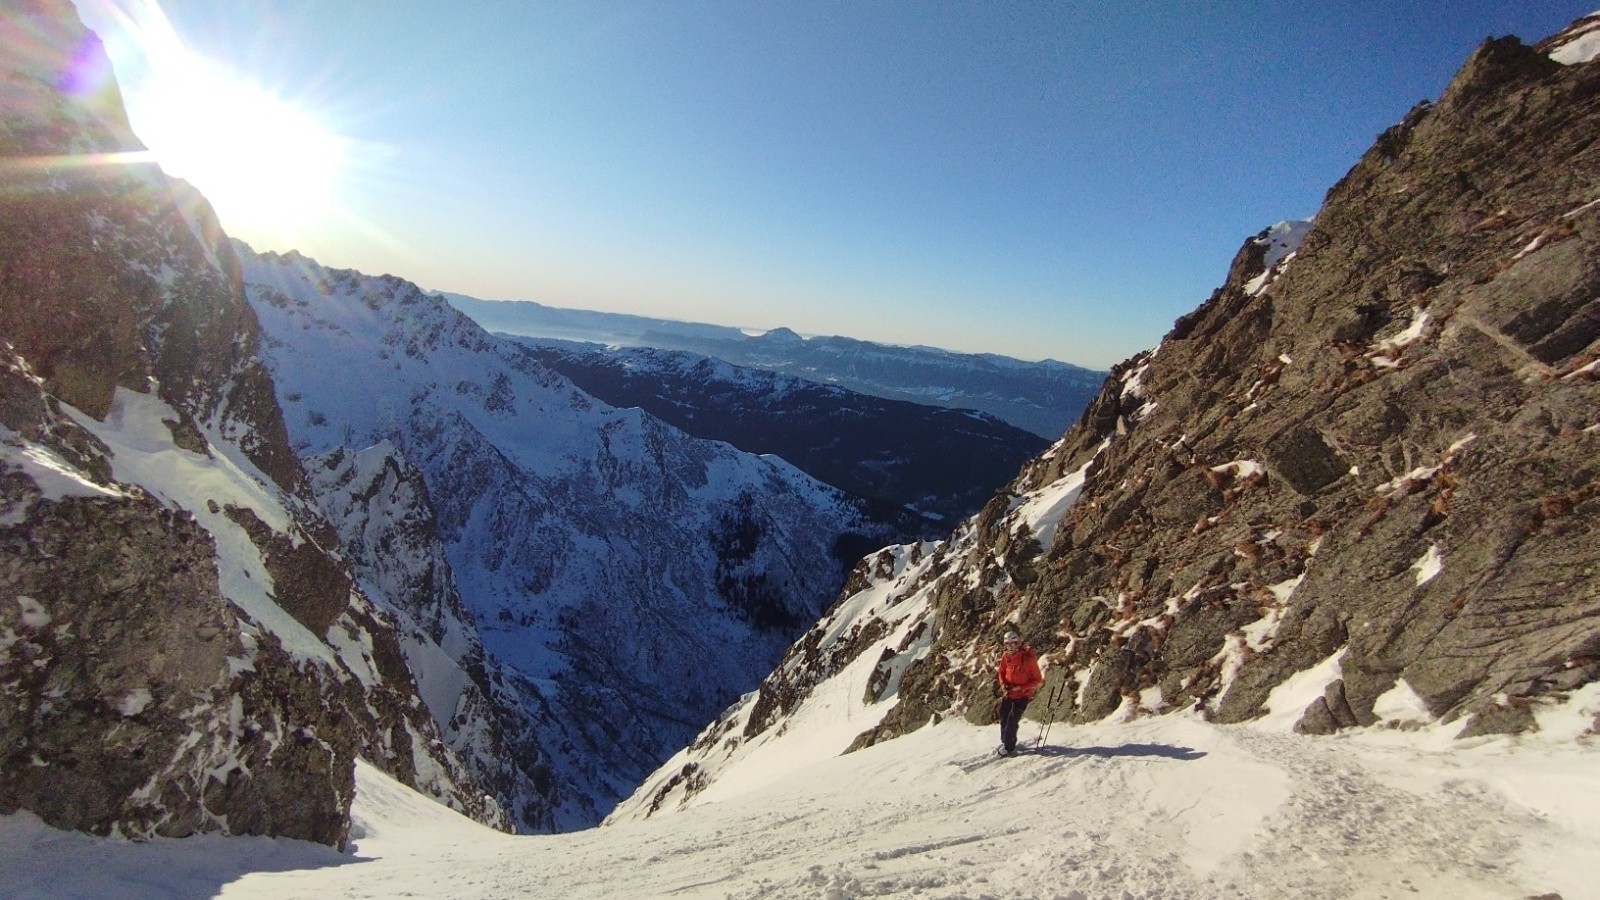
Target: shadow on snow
column 1164, row 751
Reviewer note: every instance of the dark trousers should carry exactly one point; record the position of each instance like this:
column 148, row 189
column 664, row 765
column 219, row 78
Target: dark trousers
column 1010, row 718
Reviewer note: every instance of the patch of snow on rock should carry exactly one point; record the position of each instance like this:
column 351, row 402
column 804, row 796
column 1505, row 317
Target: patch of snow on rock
column 1288, row 701
column 1430, row 565
column 136, row 702
column 34, row 615
column 1043, row 509
column 1381, row 354
column 1400, row 704
column 55, row 477
column 1240, row 468
column 1282, row 241
column 1581, row 44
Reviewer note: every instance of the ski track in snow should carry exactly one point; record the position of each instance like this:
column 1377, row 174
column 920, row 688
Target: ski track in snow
column 1162, row 808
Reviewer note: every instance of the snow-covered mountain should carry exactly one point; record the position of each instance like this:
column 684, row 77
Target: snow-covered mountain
column 1041, row 397
column 932, row 465
column 626, row 580
column 1357, row 488
column 378, row 503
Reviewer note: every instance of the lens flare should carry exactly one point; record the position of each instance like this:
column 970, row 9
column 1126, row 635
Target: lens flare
column 267, row 161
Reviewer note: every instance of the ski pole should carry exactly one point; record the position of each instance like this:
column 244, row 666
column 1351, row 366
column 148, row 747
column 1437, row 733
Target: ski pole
column 1050, row 710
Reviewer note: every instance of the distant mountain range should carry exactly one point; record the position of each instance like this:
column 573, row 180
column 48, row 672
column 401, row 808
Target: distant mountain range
column 929, row 466
column 1042, row 397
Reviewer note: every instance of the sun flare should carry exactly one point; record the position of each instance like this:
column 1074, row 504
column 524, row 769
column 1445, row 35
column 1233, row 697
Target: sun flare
column 267, row 162
column 264, row 164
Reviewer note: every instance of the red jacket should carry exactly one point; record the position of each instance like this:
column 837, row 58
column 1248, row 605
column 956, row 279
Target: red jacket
column 1019, row 673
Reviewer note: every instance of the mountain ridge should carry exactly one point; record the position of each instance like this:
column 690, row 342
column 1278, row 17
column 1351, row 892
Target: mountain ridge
column 434, row 554
column 1041, row 397
column 181, row 647
column 934, row 465
column 595, row 549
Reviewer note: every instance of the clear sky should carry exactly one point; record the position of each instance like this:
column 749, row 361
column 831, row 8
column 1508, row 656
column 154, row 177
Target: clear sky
column 1039, row 179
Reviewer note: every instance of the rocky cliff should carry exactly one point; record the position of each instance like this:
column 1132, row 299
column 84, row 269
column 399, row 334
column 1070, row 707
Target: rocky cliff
column 182, row 649
column 1355, row 488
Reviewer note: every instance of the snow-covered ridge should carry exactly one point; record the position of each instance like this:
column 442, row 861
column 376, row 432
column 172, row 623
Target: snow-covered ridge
column 1042, row 397
column 925, row 466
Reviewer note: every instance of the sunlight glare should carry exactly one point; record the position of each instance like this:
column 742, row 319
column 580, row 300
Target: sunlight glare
column 269, row 167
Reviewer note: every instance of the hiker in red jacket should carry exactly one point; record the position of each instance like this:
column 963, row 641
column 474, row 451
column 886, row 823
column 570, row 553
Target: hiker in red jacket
column 1019, row 677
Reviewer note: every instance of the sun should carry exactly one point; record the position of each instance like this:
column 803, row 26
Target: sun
column 268, row 163
column 265, row 165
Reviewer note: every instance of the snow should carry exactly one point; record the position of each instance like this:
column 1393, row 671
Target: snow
column 55, row 477
column 33, row 613
column 135, row 702
column 1133, row 387
column 1284, row 589
column 1430, row 565
column 1241, row 468
column 1043, row 510
column 1165, row 806
column 1383, row 353
column 143, row 454
column 1583, row 46
column 1282, row 241
column 1423, row 474
column 1287, row 703
column 1401, row 704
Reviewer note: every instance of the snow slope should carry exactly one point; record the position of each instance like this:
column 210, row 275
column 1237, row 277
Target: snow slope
column 1163, row 807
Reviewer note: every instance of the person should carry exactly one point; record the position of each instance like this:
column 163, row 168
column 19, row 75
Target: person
column 1018, row 673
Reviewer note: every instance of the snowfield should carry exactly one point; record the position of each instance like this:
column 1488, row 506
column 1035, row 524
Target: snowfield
column 1164, row 807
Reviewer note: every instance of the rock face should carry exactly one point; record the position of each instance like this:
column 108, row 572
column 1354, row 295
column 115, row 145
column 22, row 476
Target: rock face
column 181, row 647
column 115, row 275
column 123, row 710
column 1357, row 487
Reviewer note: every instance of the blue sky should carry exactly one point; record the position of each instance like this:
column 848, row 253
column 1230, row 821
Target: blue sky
column 1039, row 179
